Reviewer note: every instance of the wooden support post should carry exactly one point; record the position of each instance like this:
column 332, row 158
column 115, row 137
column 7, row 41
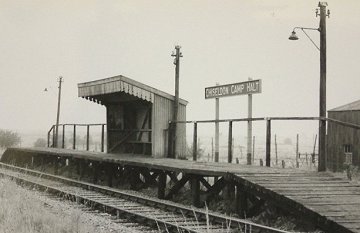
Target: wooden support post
column 87, row 137
column 110, row 171
column 161, row 184
column 230, row 155
column 74, row 137
column 83, row 166
column 195, row 142
column 102, row 137
column 268, row 142
column 77, row 162
column 241, row 201
column 134, row 178
column 229, row 197
column 195, row 191
column 95, row 170
column 56, row 165
column 63, row 136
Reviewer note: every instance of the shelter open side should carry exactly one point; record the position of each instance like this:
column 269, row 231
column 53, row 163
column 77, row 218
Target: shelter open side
column 137, row 116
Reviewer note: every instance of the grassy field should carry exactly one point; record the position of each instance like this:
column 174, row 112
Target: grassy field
column 25, row 211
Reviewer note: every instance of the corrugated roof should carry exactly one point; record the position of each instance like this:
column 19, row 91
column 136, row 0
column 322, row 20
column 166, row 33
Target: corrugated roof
column 122, row 84
column 354, row 106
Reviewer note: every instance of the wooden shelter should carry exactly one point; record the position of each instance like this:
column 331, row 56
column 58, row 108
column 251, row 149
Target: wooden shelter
column 343, row 144
column 137, row 116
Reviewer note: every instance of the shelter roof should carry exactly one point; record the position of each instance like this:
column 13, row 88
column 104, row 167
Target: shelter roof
column 354, row 106
column 92, row 89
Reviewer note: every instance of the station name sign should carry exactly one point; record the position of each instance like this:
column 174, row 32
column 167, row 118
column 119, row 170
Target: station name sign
column 243, row 88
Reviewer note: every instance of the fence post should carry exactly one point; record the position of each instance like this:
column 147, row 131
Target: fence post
column 102, row 137
column 53, row 142
column 63, row 136
column 74, row 137
column 195, row 142
column 230, row 143
column 48, row 138
column 87, row 136
column 268, row 142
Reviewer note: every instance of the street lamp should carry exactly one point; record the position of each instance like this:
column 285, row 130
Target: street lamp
column 322, row 98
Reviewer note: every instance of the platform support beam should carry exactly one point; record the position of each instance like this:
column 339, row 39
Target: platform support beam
column 95, row 170
column 195, row 191
column 177, row 186
column 161, row 184
column 241, row 201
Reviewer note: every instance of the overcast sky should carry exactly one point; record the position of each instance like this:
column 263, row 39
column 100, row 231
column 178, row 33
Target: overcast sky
column 222, row 41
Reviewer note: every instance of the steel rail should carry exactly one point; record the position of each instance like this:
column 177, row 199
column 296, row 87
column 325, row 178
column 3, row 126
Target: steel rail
column 107, row 200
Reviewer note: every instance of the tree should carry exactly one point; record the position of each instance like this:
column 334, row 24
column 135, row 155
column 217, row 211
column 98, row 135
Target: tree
column 40, row 142
column 199, row 152
column 9, row 139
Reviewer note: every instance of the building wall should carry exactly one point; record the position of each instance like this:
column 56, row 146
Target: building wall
column 161, row 115
column 338, row 136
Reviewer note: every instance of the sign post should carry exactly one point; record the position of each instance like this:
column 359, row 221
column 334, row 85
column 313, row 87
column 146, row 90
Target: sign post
column 249, row 129
column 244, row 88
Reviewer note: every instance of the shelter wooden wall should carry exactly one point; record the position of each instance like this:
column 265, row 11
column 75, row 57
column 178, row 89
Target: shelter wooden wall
column 338, row 136
column 162, row 114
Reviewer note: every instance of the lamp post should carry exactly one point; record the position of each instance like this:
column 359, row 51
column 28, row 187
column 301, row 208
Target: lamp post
column 322, row 98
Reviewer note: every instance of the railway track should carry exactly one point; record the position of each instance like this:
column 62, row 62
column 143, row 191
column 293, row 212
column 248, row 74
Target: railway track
column 158, row 214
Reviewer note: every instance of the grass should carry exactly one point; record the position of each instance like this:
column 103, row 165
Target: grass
column 22, row 211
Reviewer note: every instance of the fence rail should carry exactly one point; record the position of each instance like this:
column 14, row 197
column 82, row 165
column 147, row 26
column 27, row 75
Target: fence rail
column 74, row 127
column 268, row 131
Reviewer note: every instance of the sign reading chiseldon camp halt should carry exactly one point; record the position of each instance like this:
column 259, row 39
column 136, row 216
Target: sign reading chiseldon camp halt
column 243, row 88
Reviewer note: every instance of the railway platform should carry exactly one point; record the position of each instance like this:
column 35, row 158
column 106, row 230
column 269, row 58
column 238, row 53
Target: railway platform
column 332, row 203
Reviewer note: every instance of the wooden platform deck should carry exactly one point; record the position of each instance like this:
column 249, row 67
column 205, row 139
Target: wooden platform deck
column 333, row 201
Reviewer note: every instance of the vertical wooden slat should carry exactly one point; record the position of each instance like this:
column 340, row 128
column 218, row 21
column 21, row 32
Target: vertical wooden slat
column 230, row 155
column 268, row 142
column 74, row 137
column 195, row 142
column 87, row 136
column 102, row 137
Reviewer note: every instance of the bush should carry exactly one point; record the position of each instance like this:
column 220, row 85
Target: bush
column 9, row 139
column 40, row 142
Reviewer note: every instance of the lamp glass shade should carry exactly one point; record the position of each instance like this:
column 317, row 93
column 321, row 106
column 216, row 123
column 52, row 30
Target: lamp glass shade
column 293, row 36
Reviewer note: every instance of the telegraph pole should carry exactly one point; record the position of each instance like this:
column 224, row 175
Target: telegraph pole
column 172, row 135
column 58, row 113
column 322, row 104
